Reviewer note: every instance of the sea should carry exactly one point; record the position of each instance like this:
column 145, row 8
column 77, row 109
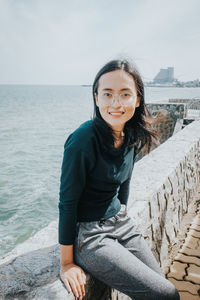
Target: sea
column 35, row 123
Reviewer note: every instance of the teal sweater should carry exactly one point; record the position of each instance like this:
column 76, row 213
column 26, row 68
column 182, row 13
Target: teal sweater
column 93, row 184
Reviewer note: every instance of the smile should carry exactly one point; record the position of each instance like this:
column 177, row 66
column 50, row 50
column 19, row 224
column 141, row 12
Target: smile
column 116, row 113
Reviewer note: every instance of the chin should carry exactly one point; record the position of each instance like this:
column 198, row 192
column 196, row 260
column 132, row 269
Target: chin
column 115, row 124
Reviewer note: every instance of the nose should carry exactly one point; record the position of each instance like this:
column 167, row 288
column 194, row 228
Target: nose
column 114, row 98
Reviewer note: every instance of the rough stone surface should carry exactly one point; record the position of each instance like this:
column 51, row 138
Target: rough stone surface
column 168, row 120
column 188, row 259
column 194, row 233
column 196, row 227
column 193, row 274
column 191, row 269
column 32, row 269
column 184, row 286
column 35, row 275
column 191, row 252
column 161, row 190
column 177, row 270
column 188, row 296
column 192, row 242
column 163, row 185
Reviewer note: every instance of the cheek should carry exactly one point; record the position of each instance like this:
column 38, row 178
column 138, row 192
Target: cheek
column 130, row 110
column 103, row 109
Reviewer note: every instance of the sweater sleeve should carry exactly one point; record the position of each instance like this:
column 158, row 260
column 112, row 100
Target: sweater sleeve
column 72, row 182
column 124, row 191
column 125, row 186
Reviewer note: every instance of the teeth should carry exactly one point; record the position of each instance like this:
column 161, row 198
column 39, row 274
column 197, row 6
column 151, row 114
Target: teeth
column 116, row 114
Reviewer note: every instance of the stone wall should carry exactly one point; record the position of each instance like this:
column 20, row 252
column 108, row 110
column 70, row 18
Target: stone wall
column 162, row 186
column 163, row 183
column 168, row 119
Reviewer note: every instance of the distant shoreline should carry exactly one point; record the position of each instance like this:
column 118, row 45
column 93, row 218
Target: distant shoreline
column 87, row 85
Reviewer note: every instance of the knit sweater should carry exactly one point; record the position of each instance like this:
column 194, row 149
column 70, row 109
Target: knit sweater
column 93, row 184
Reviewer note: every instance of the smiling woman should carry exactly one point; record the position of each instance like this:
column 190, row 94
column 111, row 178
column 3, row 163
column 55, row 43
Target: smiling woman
column 96, row 234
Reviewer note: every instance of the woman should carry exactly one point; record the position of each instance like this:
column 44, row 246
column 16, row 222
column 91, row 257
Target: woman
column 96, row 234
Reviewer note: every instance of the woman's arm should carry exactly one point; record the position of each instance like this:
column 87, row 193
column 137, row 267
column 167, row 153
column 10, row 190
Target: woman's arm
column 124, row 191
column 125, row 186
column 71, row 274
column 66, row 254
column 74, row 169
column 75, row 166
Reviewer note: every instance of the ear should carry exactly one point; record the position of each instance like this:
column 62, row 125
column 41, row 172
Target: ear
column 137, row 102
column 96, row 98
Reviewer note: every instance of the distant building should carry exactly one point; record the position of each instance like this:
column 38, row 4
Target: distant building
column 165, row 76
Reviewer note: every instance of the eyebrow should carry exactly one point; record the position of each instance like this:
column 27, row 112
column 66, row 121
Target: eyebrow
column 124, row 89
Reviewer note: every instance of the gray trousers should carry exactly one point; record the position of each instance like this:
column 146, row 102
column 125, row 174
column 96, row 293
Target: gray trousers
column 115, row 253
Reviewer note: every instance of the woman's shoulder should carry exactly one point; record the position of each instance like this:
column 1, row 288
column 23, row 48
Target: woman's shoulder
column 81, row 138
column 87, row 126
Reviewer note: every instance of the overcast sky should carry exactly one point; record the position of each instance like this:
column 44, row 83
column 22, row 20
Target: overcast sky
column 66, row 42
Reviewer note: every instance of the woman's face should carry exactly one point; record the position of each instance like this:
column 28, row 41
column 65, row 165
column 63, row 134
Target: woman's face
column 117, row 98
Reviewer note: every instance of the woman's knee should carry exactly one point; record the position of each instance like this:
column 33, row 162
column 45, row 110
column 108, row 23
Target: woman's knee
column 166, row 291
column 172, row 293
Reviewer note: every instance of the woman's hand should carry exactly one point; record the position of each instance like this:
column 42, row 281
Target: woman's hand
column 72, row 275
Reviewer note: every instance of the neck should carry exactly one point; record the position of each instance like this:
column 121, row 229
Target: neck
column 118, row 134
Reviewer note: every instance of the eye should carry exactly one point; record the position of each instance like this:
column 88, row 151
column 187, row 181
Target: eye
column 126, row 95
column 107, row 95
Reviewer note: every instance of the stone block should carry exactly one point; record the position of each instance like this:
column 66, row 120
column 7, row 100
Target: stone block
column 188, row 259
column 51, row 291
column 185, row 286
column 188, row 296
column 177, row 270
column 190, row 252
column 192, row 242
column 195, row 227
column 197, row 220
column 193, row 274
column 194, row 233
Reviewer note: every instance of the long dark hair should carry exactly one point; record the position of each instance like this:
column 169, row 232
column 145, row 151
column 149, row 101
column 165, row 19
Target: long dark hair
column 138, row 130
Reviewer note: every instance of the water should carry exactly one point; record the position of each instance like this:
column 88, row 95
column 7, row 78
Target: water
column 35, row 122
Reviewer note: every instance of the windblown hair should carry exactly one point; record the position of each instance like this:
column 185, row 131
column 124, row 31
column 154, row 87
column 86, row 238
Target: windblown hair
column 138, row 130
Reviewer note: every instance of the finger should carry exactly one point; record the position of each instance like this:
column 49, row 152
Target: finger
column 81, row 282
column 67, row 285
column 81, row 286
column 74, row 287
column 84, row 277
column 78, row 286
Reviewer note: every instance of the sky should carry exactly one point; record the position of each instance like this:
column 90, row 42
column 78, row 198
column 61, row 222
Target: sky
column 67, row 42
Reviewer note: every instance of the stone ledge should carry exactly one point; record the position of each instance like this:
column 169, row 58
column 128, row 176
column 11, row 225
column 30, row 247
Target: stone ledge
column 35, row 275
column 163, row 186
column 33, row 269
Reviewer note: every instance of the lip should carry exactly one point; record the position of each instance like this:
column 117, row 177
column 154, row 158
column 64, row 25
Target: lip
column 116, row 113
